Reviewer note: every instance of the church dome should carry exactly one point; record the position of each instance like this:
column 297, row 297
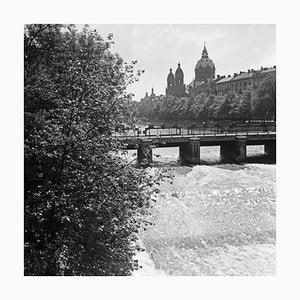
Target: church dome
column 205, row 68
column 205, row 61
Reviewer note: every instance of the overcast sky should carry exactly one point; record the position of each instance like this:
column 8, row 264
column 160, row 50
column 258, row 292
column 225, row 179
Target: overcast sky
column 233, row 48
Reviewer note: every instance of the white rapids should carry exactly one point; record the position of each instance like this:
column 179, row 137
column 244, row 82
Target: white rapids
column 212, row 220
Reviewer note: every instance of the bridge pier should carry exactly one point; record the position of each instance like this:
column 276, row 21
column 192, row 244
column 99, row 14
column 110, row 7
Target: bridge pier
column 270, row 148
column 144, row 153
column 190, row 152
column 234, row 150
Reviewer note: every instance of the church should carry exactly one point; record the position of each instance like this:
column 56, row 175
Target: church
column 205, row 70
column 175, row 84
column 204, row 75
column 206, row 80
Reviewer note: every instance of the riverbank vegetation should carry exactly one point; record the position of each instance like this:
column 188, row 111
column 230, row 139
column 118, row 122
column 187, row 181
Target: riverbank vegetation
column 259, row 103
column 83, row 204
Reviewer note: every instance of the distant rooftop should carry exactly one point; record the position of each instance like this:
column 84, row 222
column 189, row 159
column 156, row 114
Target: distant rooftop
column 269, row 70
column 225, row 79
column 244, row 75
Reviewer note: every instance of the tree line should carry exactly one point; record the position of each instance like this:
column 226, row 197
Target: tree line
column 259, row 103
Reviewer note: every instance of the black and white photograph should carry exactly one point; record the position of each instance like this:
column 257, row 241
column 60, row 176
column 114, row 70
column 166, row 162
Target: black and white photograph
column 160, row 165
column 155, row 153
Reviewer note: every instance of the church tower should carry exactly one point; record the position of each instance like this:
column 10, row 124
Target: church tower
column 179, row 76
column 175, row 84
column 170, row 80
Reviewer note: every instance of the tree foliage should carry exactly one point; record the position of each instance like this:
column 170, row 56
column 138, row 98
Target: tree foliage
column 83, row 203
column 257, row 103
column 264, row 102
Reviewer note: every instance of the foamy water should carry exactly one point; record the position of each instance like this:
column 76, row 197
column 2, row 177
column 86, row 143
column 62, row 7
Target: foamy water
column 212, row 219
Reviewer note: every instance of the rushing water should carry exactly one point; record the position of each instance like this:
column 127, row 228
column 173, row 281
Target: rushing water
column 212, row 219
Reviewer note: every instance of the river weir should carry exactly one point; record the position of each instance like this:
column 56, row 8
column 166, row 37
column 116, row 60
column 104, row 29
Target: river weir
column 212, row 219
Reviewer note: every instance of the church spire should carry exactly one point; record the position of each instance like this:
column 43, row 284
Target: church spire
column 204, row 52
column 152, row 93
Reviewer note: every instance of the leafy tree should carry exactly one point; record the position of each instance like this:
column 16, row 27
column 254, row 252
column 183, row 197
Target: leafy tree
column 215, row 106
column 225, row 108
column 243, row 107
column 184, row 109
column 198, row 107
column 83, row 203
column 264, row 101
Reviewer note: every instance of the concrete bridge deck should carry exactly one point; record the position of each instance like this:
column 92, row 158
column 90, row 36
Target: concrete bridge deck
column 232, row 145
column 252, row 138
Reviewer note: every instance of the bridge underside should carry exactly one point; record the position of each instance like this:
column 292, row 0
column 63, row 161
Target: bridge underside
column 232, row 148
column 190, row 152
column 233, row 151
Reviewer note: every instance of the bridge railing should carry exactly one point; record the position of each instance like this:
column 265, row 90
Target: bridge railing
column 206, row 131
column 157, row 139
column 211, row 130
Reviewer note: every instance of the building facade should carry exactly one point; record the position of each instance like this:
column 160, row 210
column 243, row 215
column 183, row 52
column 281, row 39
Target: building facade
column 244, row 80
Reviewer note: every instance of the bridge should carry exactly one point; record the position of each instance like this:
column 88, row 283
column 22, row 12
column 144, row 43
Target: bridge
column 233, row 142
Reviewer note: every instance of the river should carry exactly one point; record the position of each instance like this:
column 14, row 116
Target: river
column 212, row 219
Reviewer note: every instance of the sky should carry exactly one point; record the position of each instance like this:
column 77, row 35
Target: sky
column 157, row 48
